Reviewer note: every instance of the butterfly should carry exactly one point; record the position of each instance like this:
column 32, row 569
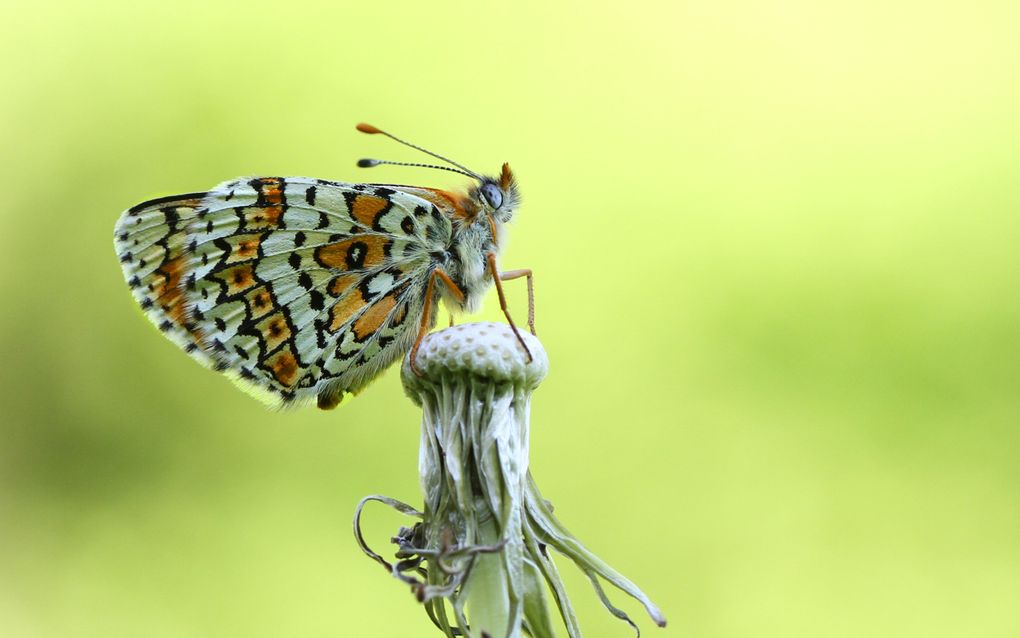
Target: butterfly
column 297, row 287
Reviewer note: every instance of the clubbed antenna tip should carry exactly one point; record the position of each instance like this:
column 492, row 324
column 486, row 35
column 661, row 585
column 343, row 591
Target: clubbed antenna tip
column 371, row 130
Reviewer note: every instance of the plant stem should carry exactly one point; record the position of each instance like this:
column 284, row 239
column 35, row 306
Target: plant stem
column 488, row 601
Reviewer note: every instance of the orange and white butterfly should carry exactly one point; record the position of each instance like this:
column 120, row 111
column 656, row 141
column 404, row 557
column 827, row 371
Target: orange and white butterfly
column 297, row 287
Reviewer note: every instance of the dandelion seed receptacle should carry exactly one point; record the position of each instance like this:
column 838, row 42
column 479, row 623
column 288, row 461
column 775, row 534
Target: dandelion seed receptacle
column 479, row 559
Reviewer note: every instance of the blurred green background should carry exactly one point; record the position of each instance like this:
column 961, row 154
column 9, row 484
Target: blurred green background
column 776, row 250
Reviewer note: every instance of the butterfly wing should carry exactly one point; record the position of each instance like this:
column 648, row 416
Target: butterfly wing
column 294, row 287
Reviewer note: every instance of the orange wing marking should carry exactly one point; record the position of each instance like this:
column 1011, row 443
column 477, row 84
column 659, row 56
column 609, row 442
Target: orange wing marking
column 366, row 209
column 344, row 309
column 354, row 253
column 168, row 288
column 243, row 248
column 269, row 207
column 284, row 367
column 259, row 302
column 342, row 284
column 238, row 278
column 374, row 317
column 275, row 331
column 456, row 205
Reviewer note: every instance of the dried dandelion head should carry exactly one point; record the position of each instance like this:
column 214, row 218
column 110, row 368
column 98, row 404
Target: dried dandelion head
column 478, row 559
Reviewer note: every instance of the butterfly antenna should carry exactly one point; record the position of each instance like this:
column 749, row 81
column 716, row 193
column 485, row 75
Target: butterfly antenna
column 371, row 130
column 369, row 163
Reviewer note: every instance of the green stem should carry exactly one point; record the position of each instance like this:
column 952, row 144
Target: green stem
column 487, row 596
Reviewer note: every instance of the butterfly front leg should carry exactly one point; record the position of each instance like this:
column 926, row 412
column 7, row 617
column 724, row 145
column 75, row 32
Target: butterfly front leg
column 496, row 278
column 517, row 274
column 426, row 315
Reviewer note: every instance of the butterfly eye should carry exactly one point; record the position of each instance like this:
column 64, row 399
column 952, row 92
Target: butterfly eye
column 492, row 195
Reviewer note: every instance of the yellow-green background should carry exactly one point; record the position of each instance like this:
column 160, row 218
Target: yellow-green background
column 776, row 250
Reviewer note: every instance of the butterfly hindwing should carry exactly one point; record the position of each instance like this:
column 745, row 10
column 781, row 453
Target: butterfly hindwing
column 295, row 286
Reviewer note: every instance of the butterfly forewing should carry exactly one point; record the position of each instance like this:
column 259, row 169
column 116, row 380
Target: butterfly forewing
column 293, row 286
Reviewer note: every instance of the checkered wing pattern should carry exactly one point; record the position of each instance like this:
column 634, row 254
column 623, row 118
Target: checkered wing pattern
column 294, row 287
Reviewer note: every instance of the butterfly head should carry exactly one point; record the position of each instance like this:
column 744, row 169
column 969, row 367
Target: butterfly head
column 497, row 196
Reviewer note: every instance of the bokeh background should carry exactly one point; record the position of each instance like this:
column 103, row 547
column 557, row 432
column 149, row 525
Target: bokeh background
column 776, row 249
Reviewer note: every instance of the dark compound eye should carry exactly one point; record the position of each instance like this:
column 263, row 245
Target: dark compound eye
column 492, row 195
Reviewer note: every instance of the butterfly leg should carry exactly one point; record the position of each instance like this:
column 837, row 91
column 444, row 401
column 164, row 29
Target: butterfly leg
column 502, row 302
column 516, row 274
column 426, row 315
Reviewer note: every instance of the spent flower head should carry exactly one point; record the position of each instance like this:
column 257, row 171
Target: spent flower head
column 478, row 558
